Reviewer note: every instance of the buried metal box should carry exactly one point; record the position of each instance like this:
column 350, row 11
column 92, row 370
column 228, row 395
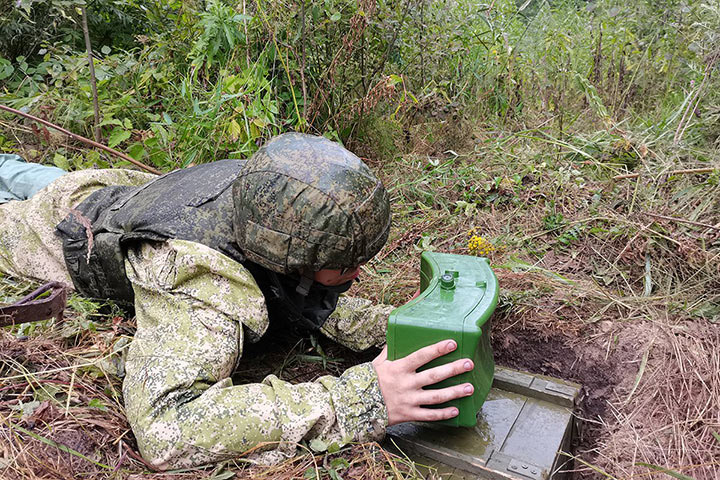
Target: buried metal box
column 524, row 432
column 458, row 296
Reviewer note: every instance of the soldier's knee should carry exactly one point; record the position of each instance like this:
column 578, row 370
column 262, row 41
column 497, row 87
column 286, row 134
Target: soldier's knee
column 158, row 444
column 167, row 445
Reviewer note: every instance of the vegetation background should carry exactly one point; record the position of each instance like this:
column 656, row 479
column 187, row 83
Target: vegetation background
column 575, row 143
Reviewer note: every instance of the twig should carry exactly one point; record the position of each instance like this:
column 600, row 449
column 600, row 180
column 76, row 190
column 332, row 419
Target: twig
column 302, row 65
column 82, row 139
column 672, row 172
column 91, row 64
column 247, row 40
column 85, row 222
column 301, row 120
column 682, row 220
column 566, row 225
column 388, row 49
column 137, row 457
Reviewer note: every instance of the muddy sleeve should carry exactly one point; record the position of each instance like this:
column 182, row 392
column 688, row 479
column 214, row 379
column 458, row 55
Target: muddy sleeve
column 357, row 323
column 191, row 305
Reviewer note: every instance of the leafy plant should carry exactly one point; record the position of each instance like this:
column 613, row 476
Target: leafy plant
column 219, row 24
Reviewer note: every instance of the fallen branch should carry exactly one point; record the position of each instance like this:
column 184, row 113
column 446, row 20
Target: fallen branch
column 82, row 139
column 672, row 172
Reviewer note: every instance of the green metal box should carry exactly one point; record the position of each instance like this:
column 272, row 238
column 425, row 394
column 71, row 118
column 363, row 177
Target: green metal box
column 458, row 296
column 525, row 431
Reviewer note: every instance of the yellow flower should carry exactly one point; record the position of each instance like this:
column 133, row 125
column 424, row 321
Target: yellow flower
column 478, row 246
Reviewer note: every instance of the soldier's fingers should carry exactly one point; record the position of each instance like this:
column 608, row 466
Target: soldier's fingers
column 441, row 395
column 433, row 414
column 424, row 355
column 440, row 373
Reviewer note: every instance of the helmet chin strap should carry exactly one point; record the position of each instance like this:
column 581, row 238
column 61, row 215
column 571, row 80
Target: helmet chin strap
column 306, row 280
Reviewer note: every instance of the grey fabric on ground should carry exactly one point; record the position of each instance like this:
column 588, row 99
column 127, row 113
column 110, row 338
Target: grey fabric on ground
column 20, row 180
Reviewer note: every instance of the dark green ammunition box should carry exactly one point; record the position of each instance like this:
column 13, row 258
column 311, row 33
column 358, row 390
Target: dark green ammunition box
column 458, row 296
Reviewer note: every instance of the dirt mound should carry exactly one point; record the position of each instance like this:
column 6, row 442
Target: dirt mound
column 650, row 386
column 669, row 415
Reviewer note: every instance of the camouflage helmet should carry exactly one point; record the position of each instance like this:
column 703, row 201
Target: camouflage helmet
column 304, row 203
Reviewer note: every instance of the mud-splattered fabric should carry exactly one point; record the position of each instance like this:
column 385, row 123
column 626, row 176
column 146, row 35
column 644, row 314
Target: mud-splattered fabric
column 195, row 307
column 191, row 305
column 29, row 246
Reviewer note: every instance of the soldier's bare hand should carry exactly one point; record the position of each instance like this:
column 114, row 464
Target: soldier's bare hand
column 402, row 386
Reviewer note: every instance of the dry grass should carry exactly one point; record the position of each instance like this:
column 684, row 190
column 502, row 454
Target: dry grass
column 669, row 415
column 61, row 416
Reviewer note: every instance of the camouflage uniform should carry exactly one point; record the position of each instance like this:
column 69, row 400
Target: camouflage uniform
column 29, row 246
column 194, row 307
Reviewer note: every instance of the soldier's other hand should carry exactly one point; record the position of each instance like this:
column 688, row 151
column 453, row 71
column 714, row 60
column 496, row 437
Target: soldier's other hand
column 402, row 386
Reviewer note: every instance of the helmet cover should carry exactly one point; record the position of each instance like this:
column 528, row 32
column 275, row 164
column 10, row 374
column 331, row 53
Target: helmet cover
column 305, row 203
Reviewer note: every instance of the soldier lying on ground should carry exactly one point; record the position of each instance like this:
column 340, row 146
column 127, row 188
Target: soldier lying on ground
column 210, row 255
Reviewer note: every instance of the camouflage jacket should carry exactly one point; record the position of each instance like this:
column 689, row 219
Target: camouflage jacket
column 195, row 307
